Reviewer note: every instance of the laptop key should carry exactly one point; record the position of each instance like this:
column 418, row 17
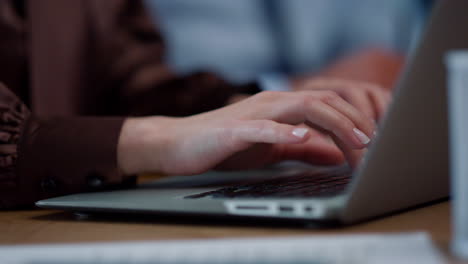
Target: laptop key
column 307, row 184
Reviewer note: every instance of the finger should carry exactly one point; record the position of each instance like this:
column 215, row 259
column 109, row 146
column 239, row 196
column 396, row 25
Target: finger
column 362, row 122
column 328, row 118
column 362, row 102
column 353, row 156
column 267, row 131
column 354, row 94
column 339, row 117
column 380, row 99
column 318, row 151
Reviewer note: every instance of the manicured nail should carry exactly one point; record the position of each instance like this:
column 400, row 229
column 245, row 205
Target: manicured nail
column 300, row 132
column 361, row 136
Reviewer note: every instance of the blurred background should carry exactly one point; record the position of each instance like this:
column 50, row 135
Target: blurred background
column 248, row 40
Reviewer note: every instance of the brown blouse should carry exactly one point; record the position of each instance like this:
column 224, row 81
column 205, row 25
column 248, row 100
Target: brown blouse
column 69, row 69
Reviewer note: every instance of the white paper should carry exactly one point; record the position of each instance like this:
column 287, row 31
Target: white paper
column 327, row 249
column 457, row 64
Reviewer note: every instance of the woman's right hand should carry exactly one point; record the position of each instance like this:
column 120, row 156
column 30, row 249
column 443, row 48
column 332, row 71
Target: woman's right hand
column 265, row 128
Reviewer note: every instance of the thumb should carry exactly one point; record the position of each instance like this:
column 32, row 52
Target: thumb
column 268, row 131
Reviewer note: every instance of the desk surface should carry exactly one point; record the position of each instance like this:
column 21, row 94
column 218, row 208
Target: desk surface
column 48, row 226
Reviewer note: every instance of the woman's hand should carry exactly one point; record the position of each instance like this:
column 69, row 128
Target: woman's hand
column 265, row 128
column 364, row 78
column 371, row 99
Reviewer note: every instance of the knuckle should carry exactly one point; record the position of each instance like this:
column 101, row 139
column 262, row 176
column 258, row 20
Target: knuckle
column 309, row 100
column 329, row 96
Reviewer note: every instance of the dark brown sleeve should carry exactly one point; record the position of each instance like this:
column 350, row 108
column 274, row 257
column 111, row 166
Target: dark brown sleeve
column 130, row 56
column 44, row 158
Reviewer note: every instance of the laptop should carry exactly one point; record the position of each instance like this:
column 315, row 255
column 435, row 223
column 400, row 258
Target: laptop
column 406, row 166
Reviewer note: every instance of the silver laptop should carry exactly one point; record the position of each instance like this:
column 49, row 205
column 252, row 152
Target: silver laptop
column 406, row 166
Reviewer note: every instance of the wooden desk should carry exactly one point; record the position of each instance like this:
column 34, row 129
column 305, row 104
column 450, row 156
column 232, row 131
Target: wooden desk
column 47, row 226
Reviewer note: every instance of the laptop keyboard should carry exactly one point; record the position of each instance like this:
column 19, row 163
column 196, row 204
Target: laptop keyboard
column 306, row 184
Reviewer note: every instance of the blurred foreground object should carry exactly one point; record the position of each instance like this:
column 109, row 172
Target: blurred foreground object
column 457, row 66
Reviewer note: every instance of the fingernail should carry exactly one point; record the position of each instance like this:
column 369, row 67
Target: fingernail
column 361, row 136
column 300, row 132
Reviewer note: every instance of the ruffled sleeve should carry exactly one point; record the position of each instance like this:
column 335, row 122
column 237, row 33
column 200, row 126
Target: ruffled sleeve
column 47, row 157
column 13, row 116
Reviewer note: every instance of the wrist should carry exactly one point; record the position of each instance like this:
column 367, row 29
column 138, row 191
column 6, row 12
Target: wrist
column 142, row 142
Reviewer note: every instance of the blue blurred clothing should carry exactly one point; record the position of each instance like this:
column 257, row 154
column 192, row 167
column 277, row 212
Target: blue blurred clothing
column 266, row 40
